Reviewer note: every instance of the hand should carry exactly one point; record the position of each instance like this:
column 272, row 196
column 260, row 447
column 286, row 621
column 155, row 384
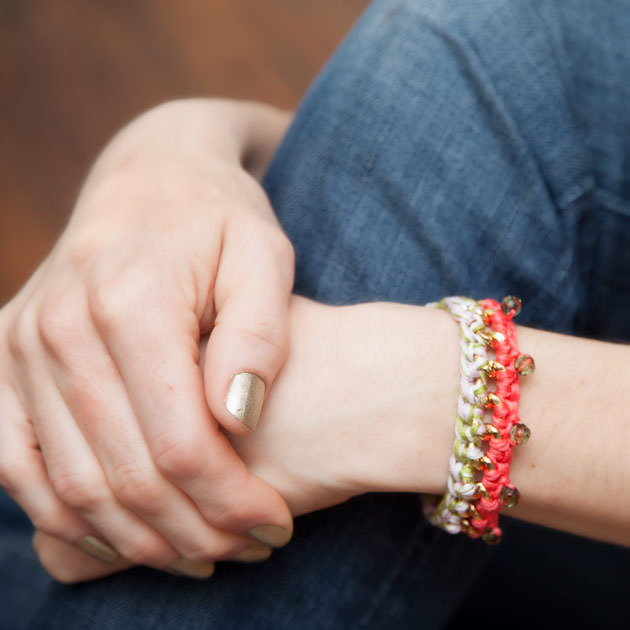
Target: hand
column 344, row 415
column 105, row 430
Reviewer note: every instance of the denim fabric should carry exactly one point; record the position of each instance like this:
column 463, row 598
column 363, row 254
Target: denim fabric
column 478, row 147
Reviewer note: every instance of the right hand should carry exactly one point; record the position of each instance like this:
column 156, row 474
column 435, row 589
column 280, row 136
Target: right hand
column 104, row 426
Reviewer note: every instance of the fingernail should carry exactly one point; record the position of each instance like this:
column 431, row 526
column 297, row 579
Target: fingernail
column 98, row 549
column 192, row 569
column 255, row 553
column 245, row 398
column 273, row 535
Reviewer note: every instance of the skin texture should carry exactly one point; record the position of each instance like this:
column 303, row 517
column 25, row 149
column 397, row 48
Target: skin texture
column 375, row 417
column 171, row 238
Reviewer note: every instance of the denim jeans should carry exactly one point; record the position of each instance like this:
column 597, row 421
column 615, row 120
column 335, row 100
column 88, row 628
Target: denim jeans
column 471, row 147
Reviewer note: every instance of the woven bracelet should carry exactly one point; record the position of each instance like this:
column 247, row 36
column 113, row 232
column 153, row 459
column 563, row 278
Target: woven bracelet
column 487, row 425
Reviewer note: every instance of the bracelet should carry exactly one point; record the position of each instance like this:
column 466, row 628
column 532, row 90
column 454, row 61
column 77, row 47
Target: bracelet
column 478, row 482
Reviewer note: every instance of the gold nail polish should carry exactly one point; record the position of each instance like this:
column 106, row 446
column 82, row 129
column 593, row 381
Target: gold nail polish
column 98, row 549
column 272, row 535
column 192, row 569
column 255, row 553
column 245, row 398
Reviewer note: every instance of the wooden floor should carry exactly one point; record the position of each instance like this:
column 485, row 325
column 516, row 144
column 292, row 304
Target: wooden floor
column 71, row 73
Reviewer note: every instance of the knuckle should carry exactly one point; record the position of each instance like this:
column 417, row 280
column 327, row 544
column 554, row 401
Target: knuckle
column 78, row 491
column 115, row 298
column 48, row 523
column 202, row 553
column 87, row 402
column 178, row 458
column 20, row 338
column 232, row 515
column 270, row 334
column 281, row 246
column 269, row 239
column 136, row 489
column 285, row 255
column 235, row 511
column 84, row 248
column 59, row 323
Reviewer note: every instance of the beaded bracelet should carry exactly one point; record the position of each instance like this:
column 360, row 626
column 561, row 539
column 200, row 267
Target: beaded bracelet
column 478, row 482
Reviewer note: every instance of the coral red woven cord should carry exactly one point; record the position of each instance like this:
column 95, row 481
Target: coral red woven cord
column 504, row 417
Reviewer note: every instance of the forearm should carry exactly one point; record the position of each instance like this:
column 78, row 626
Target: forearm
column 573, row 474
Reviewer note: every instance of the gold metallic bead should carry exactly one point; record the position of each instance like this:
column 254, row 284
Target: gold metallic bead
column 525, row 364
column 520, row 433
column 489, row 399
column 465, row 525
column 481, row 489
column 509, row 496
column 492, row 431
column 473, row 512
column 491, row 538
column 490, row 337
column 486, row 314
column 490, row 368
column 484, row 463
column 511, row 303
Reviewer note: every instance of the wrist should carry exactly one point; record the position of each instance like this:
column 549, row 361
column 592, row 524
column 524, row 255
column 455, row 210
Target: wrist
column 357, row 407
column 406, row 372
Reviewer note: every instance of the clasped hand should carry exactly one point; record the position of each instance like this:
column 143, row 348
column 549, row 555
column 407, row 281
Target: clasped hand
column 108, row 431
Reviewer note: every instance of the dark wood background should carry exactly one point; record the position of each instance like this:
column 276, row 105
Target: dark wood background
column 73, row 71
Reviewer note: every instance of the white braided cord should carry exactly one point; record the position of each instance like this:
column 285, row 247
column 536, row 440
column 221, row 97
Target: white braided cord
column 470, row 428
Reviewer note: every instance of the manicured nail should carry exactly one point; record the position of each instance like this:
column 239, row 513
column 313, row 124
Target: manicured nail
column 255, row 553
column 245, row 398
column 273, row 535
column 192, row 569
column 98, row 549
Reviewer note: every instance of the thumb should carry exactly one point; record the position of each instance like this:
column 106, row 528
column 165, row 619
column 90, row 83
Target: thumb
column 250, row 339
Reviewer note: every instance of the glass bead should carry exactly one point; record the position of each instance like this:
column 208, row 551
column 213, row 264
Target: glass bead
column 509, row 496
column 511, row 303
column 520, row 433
column 524, row 364
column 491, row 538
